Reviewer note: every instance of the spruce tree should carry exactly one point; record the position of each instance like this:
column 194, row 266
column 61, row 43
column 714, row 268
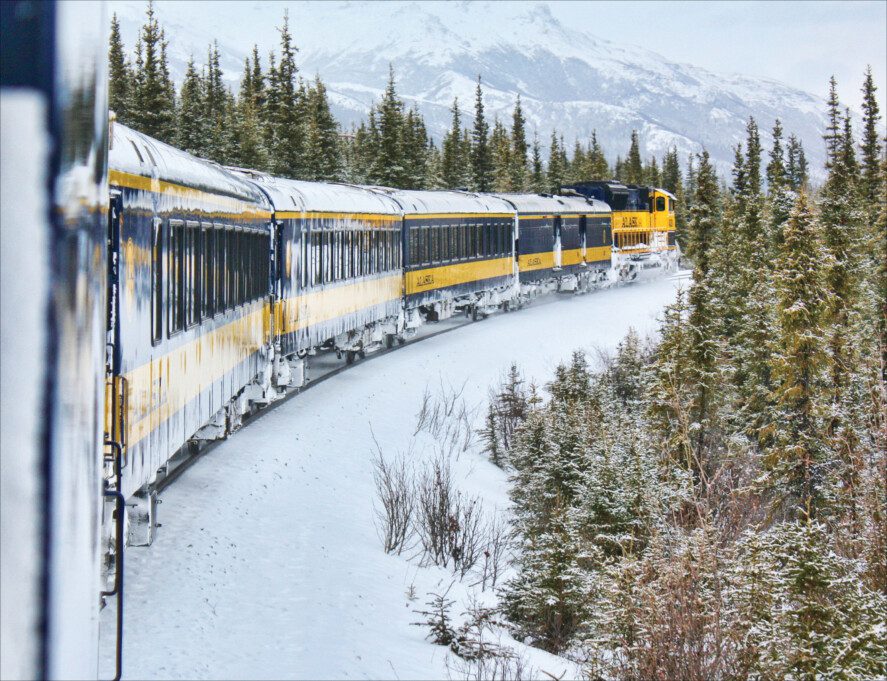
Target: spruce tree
column 832, row 135
column 672, row 182
column 433, row 172
column 795, row 459
column 323, row 161
column 481, row 161
column 387, row 167
column 651, row 174
column 500, row 145
column 153, row 110
column 119, row 75
column 634, row 171
column 870, row 147
column 216, row 104
column 453, row 163
column 285, row 127
column 415, row 138
column 796, row 164
column 577, row 164
column 705, row 218
column 841, row 216
column 192, row 129
column 778, row 188
column 598, row 169
column 518, row 149
column 537, row 175
column 257, row 82
column 556, row 168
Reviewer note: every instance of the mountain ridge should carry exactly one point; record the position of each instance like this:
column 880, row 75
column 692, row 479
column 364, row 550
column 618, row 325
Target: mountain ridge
column 569, row 79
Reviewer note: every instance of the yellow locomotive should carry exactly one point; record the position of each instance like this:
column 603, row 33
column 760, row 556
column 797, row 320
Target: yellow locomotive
column 643, row 221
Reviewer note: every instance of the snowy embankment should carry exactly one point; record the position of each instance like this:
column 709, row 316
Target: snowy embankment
column 268, row 563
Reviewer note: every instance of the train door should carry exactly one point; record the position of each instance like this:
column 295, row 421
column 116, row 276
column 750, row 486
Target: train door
column 115, row 415
column 557, row 242
column 583, row 237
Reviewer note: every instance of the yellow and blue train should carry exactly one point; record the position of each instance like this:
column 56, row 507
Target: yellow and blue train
column 151, row 299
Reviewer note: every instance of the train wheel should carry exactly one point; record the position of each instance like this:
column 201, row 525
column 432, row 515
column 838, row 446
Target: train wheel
column 389, row 340
column 349, row 357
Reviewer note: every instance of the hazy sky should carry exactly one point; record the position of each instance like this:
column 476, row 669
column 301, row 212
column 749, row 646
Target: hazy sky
column 798, row 43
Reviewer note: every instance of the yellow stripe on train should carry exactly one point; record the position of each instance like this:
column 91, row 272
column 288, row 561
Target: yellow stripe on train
column 315, row 307
column 162, row 387
column 431, row 278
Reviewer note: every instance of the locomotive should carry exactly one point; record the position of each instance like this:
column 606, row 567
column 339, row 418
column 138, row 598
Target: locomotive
column 152, row 299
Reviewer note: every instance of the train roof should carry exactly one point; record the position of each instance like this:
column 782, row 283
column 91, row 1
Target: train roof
column 543, row 203
column 445, row 202
column 135, row 153
column 320, row 197
column 579, row 204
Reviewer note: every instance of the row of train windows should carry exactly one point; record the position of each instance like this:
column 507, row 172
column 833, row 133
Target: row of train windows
column 210, row 269
column 334, row 255
column 446, row 243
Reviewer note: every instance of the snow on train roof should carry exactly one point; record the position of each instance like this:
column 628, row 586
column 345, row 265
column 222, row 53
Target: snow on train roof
column 320, row 197
column 579, row 204
column 539, row 203
column 135, row 153
column 438, row 202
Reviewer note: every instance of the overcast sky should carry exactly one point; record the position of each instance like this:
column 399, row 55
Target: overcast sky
column 798, row 43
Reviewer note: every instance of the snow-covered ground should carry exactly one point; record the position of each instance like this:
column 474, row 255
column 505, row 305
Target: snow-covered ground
column 268, row 563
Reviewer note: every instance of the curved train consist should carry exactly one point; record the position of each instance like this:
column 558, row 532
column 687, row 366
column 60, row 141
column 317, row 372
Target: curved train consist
column 217, row 286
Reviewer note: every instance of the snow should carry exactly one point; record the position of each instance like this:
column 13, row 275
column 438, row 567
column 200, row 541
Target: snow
column 268, row 564
column 174, row 165
column 23, row 298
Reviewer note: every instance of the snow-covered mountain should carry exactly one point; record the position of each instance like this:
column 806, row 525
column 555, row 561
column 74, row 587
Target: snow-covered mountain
column 569, row 79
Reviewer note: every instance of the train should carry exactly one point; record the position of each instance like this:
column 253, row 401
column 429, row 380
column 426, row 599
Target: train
column 152, row 300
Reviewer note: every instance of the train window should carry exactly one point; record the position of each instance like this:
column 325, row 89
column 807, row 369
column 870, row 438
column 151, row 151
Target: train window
column 671, row 205
column 188, row 275
column 423, row 237
column 196, row 238
column 176, row 237
column 187, row 266
column 221, row 267
column 313, row 259
column 249, row 279
column 374, row 250
column 209, row 254
column 660, row 203
column 349, row 254
column 233, row 267
column 383, row 249
column 157, row 282
column 476, row 240
column 234, row 254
